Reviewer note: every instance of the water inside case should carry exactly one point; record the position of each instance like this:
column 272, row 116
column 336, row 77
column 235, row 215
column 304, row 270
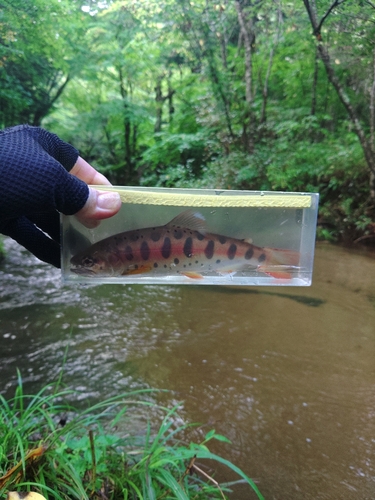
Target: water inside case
column 196, row 237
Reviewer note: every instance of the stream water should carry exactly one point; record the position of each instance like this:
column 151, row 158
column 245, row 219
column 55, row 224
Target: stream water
column 288, row 374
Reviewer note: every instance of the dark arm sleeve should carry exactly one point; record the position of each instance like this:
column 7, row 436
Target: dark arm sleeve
column 34, row 167
column 35, row 185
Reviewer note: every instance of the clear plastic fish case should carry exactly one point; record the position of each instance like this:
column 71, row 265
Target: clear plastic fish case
column 196, row 237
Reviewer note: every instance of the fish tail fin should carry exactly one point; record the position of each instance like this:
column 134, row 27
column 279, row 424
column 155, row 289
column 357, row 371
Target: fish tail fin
column 280, row 263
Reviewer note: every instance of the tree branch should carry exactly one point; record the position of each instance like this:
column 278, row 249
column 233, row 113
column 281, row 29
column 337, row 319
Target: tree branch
column 311, row 10
column 370, row 4
column 335, row 4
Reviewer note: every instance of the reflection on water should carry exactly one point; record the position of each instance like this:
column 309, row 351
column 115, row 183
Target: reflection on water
column 287, row 374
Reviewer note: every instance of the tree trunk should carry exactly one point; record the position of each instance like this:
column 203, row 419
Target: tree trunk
column 206, row 52
column 263, row 116
column 170, row 94
column 367, row 145
column 159, row 105
column 372, row 124
column 247, row 37
column 127, row 130
column 315, row 83
column 160, row 99
column 43, row 108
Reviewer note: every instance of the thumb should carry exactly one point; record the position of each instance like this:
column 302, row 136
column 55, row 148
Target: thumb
column 99, row 205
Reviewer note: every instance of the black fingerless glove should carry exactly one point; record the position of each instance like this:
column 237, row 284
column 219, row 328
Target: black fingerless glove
column 35, row 185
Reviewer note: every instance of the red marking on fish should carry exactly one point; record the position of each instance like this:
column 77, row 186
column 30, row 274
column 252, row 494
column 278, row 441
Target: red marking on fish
column 183, row 246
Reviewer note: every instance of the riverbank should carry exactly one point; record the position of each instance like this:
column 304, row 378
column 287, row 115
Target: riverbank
column 52, row 448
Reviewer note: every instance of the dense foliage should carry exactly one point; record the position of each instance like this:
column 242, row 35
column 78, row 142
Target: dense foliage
column 248, row 94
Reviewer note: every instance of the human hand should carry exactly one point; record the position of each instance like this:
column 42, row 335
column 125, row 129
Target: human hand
column 41, row 176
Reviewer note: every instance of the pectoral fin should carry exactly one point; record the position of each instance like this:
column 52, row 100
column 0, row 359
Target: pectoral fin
column 192, row 275
column 281, row 274
column 139, row 270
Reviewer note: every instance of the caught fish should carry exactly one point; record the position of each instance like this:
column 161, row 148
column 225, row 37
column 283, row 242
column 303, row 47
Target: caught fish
column 184, row 247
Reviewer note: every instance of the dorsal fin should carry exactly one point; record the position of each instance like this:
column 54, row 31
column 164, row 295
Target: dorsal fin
column 190, row 220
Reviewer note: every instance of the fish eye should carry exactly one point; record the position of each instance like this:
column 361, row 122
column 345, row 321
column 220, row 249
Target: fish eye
column 88, row 261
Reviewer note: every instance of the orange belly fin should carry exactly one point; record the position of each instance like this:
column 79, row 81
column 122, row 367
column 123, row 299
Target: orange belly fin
column 192, row 275
column 280, row 275
column 139, row 270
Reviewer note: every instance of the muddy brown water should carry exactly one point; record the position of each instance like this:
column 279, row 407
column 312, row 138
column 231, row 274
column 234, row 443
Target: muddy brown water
column 288, row 374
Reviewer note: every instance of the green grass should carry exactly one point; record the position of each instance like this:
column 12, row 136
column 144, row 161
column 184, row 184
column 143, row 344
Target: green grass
column 47, row 445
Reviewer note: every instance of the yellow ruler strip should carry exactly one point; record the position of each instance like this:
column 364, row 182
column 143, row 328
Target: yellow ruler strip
column 207, row 200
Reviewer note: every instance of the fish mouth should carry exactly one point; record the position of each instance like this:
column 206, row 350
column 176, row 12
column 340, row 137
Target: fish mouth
column 81, row 271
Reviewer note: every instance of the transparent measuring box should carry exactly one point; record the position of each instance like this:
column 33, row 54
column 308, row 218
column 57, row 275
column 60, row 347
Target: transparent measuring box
column 196, row 237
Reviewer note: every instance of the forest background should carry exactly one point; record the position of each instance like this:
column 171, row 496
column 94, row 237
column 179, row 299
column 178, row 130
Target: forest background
column 249, row 94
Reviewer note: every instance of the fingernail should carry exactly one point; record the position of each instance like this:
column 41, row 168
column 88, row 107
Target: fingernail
column 108, row 201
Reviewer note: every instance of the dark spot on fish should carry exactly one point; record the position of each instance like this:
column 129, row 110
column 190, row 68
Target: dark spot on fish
column 262, row 257
column 188, row 247
column 176, row 261
column 166, row 249
column 134, row 237
column 218, row 261
column 196, row 261
column 178, row 234
column 145, row 250
column 200, row 236
column 136, row 266
column 129, row 253
column 249, row 253
column 155, row 264
column 222, row 239
column 209, row 250
column 155, row 236
column 165, row 266
column 232, row 251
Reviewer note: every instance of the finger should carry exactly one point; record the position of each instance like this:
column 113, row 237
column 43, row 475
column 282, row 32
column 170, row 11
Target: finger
column 87, row 173
column 99, row 205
